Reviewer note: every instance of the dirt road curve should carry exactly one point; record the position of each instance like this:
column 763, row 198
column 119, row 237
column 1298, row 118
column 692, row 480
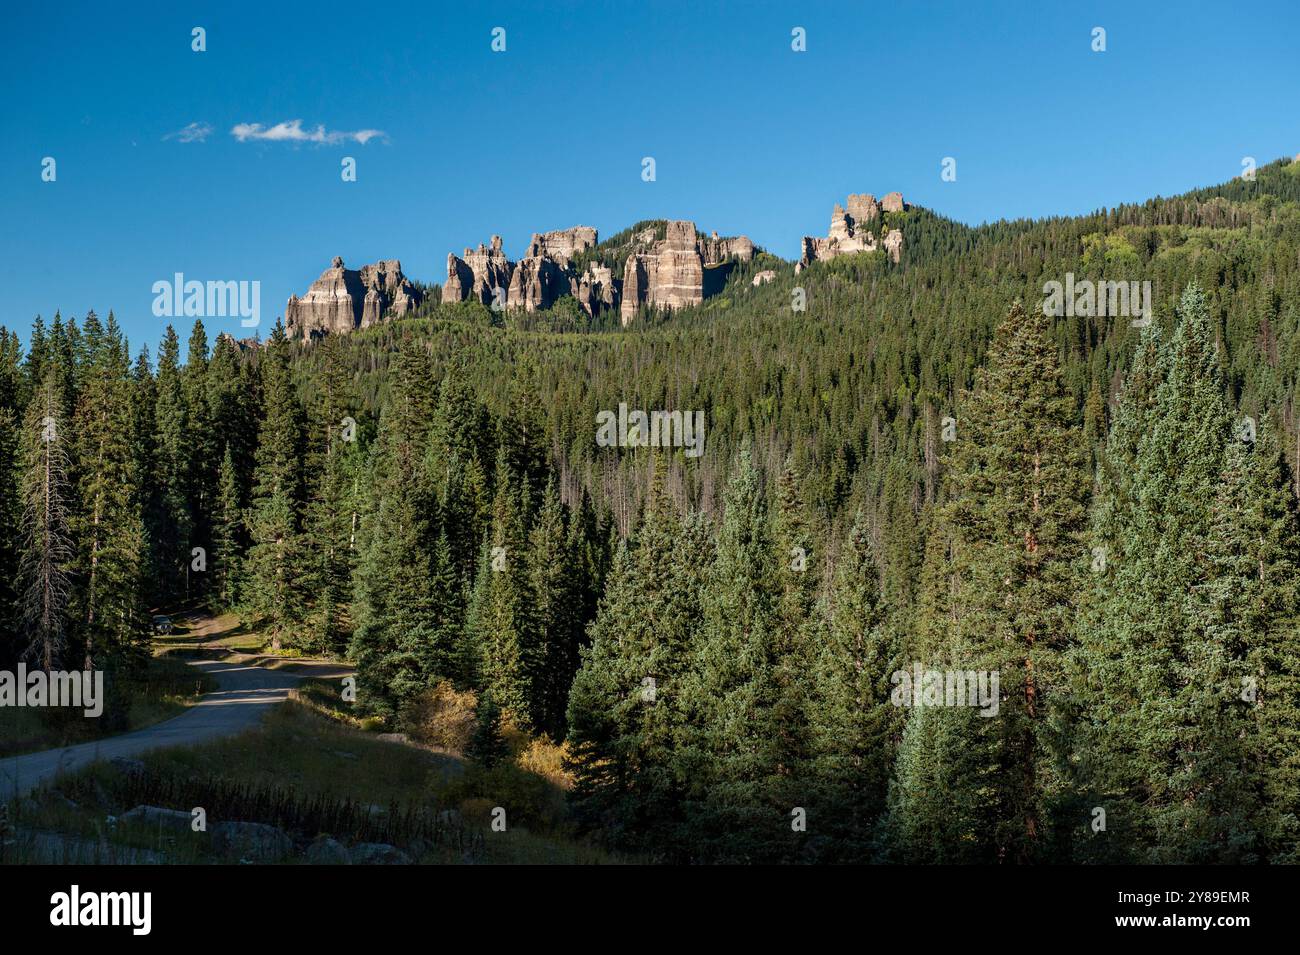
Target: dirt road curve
column 245, row 693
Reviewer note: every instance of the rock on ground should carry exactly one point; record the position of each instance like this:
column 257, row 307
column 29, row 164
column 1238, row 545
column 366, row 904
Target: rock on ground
column 326, row 850
column 173, row 820
column 251, row 841
column 379, row 853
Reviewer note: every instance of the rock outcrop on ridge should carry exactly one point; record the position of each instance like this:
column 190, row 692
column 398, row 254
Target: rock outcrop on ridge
column 849, row 232
column 667, row 264
column 666, row 272
column 344, row 299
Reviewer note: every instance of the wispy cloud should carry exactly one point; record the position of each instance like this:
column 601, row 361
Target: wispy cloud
column 193, row 133
column 292, row 132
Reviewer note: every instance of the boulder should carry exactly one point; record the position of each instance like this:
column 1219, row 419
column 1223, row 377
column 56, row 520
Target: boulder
column 378, row 853
column 763, row 277
column 155, row 817
column 58, row 800
column 326, row 850
column 251, row 841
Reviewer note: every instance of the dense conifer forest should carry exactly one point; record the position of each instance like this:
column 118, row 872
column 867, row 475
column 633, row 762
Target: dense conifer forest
column 917, row 471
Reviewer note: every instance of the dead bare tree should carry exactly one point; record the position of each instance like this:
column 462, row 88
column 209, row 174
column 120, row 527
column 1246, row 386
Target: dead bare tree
column 44, row 588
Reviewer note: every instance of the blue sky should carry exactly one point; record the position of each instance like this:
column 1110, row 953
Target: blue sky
column 748, row 136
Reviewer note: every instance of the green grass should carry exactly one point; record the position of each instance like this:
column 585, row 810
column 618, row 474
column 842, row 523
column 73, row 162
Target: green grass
column 165, row 688
column 202, row 632
column 305, row 772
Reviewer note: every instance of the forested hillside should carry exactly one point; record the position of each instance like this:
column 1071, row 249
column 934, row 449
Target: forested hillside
column 906, row 468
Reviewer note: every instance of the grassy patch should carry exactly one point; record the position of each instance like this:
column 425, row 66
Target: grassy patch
column 195, row 631
column 163, row 689
column 309, row 774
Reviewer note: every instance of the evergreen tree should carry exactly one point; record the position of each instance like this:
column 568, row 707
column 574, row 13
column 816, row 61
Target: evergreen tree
column 333, row 464
column 1018, row 487
column 227, row 535
column 487, row 746
column 201, row 454
column 554, row 588
column 169, row 519
column 738, row 805
column 12, row 400
column 625, row 708
column 853, row 725
column 1254, row 596
column 403, row 640
column 274, row 585
column 504, row 626
column 1159, row 670
column 110, row 526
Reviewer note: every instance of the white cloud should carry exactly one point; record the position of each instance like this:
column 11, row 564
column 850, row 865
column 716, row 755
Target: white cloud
column 193, row 133
column 292, row 132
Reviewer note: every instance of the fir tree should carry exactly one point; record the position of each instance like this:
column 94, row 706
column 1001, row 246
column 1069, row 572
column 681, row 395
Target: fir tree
column 504, row 627
column 1157, row 662
column 1018, row 486
column 551, row 580
column 169, row 523
column 274, row 568
column 488, row 746
column 738, row 803
column 201, row 452
column 110, row 526
column 227, row 535
column 853, row 725
column 333, row 464
column 403, row 640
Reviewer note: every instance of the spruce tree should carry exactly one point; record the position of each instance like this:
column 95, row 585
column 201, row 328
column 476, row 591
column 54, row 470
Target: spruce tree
column 1017, row 487
column 202, row 452
column 402, row 639
column 227, row 535
column 504, row 625
column 552, row 582
column 626, row 706
column 854, row 728
column 275, row 575
column 12, row 391
column 332, row 463
column 110, row 525
column 170, row 521
column 738, row 804
column 1158, row 666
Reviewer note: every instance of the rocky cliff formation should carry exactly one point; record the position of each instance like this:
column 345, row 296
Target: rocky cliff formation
column 563, row 244
column 663, row 273
column 671, row 272
column 482, row 274
column 343, row 299
column 850, row 232
column 662, row 265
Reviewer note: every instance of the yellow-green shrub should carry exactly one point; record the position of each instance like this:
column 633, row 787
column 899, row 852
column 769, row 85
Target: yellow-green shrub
column 441, row 716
